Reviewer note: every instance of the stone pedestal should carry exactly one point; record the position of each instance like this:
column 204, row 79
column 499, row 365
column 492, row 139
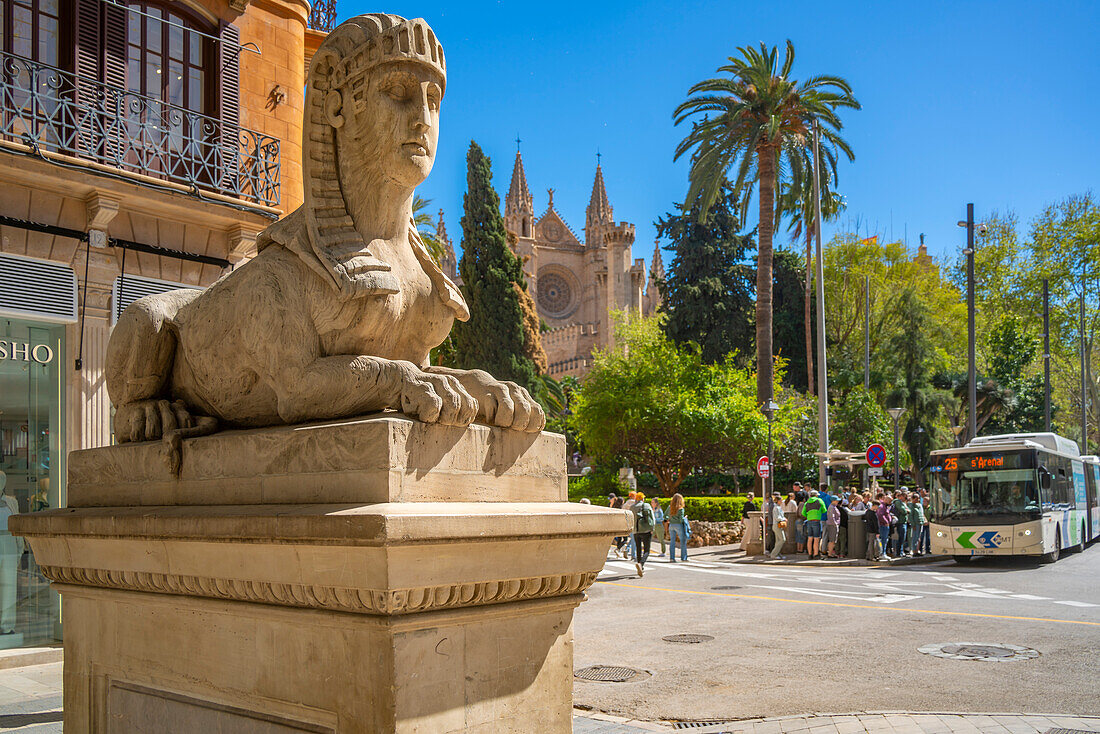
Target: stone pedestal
column 369, row 575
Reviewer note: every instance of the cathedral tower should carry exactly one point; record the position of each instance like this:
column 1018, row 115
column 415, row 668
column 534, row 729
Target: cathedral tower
column 519, row 206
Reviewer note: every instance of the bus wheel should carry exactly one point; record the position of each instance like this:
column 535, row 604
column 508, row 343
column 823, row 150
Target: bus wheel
column 961, row 560
column 1057, row 552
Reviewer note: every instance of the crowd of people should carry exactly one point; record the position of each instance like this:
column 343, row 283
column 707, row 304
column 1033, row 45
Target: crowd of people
column 896, row 523
column 652, row 523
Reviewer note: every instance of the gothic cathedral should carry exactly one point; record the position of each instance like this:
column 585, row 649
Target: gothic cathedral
column 578, row 285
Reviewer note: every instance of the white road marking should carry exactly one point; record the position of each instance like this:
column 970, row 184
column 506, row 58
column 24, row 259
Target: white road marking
column 880, row 598
column 1030, row 597
column 1076, row 604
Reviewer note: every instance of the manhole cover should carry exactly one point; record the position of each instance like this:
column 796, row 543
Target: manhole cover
column 610, row 674
column 979, row 651
column 688, row 639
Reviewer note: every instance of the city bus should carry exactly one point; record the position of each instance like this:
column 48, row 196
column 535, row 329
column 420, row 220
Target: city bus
column 1026, row 494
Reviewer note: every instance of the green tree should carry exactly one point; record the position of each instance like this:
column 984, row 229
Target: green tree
column 494, row 337
column 912, row 360
column 788, row 309
column 758, row 120
column 859, row 421
column 658, row 405
column 707, row 292
column 1013, row 355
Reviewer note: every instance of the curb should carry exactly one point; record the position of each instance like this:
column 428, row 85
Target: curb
column 844, row 563
column 22, row 657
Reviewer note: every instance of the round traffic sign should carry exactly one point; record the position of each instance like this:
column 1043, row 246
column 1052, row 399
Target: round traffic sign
column 763, row 467
column 876, row 455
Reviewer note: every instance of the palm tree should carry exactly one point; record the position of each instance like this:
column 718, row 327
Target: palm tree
column 425, row 227
column 759, row 121
column 797, row 197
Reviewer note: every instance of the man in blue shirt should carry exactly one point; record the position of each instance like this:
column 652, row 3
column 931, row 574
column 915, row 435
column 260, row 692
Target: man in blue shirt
column 825, row 495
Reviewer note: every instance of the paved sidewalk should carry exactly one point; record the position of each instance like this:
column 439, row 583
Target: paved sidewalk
column 889, row 722
column 30, row 703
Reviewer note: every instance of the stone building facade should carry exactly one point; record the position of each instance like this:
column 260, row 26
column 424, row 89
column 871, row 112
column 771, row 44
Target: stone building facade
column 578, row 285
column 143, row 146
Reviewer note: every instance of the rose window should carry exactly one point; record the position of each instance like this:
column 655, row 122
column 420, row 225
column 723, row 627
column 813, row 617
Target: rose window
column 555, row 294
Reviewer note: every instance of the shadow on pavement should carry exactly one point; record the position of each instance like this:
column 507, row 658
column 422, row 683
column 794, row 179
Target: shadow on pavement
column 10, row 721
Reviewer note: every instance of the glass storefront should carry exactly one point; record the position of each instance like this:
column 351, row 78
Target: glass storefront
column 31, row 472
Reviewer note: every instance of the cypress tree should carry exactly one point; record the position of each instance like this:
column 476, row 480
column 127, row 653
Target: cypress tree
column 493, row 339
column 708, row 292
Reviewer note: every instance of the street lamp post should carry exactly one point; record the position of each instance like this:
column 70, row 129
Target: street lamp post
column 768, row 409
column 896, row 414
column 971, row 369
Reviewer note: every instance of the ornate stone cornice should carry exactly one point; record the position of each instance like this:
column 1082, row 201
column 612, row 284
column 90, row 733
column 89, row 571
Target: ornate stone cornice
column 317, row 596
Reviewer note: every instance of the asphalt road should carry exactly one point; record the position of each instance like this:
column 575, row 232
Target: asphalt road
column 796, row 640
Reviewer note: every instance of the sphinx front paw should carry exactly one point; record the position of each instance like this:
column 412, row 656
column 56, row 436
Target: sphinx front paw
column 148, row 420
column 506, row 404
column 437, row 399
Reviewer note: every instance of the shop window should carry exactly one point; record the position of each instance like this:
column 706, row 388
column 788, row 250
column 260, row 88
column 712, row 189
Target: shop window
column 31, row 473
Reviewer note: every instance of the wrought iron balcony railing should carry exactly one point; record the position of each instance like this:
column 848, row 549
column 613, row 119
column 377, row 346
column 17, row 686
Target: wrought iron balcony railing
column 62, row 112
column 322, row 16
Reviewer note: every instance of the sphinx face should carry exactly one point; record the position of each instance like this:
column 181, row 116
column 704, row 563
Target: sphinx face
column 391, row 125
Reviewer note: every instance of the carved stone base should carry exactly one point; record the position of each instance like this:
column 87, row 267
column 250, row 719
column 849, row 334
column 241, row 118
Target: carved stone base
column 399, row 616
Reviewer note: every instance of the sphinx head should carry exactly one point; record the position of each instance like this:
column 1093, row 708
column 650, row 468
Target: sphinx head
column 373, row 95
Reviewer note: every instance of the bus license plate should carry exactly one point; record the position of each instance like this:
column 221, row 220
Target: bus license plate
column 982, row 552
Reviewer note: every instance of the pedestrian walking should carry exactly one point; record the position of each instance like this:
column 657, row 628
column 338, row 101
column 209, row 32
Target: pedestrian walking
column 631, row 499
column 677, row 528
column 659, row 523
column 779, row 526
column 643, row 532
column 616, row 503
column 814, row 511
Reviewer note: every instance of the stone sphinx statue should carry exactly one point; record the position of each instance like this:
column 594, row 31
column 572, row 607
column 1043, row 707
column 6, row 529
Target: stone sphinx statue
column 336, row 314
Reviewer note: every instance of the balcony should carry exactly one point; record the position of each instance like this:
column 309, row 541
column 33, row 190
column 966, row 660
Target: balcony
column 60, row 112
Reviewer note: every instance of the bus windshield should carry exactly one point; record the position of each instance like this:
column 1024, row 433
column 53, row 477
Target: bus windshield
column 986, row 487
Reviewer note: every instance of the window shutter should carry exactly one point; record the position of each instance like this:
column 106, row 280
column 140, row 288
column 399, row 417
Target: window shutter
column 86, row 63
column 114, row 43
column 229, row 105
column 114, row 75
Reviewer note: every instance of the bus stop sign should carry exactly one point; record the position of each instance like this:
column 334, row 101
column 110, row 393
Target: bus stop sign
column 876, row 455
column 763, row 468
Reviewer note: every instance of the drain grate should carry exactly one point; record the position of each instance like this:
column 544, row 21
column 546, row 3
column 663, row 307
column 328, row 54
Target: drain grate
column 725, row 588
column 1069, row 731
column 979, row 651
column 697, row 724
column 687, row 639
column 610, row 674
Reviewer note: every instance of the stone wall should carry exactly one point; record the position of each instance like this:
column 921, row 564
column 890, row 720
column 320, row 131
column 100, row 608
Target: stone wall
column 714, row 533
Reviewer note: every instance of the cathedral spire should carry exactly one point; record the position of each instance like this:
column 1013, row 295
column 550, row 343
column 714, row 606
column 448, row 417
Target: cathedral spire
column 519, row 196
column 656, row 265
column 599, row 207
column 448, row 260
column 519, row 206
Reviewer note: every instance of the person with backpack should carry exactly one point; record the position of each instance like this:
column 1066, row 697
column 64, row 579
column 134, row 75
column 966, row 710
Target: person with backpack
column 814, row 511
column 644, row 521
column 900, row 510
column 917, row 524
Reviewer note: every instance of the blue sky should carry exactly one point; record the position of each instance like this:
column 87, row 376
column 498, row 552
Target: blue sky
column 991, row 102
